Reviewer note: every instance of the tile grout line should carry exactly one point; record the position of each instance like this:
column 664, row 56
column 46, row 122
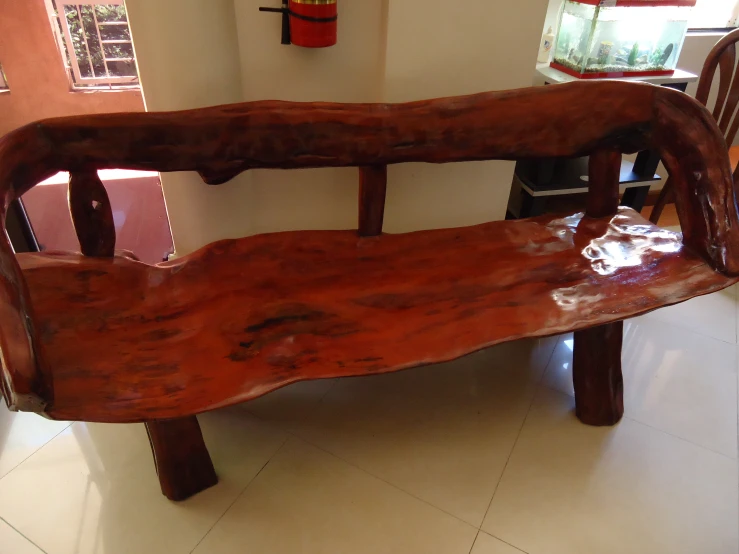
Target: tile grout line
column 515, row 442
column 678, row 437
column 352, row 464
column 21, row 534
column 239, row 495
column 288, row 434
column 396, row 487
column 689, row 329
column 513, row 546
column 16, row 466
column 333, row 455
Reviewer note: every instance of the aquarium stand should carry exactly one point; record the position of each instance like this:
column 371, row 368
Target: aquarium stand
column 540, row 180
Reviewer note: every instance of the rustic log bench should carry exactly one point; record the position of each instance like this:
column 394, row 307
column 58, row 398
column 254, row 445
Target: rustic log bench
column 99, row 336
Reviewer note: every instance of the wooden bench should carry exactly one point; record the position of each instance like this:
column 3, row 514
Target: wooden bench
column 99, row 336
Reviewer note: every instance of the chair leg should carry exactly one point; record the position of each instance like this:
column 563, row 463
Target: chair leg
column 596, row 372
column 180, row 456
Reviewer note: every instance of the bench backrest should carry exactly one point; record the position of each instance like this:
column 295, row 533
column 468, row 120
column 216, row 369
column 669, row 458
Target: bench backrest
column 601, row 118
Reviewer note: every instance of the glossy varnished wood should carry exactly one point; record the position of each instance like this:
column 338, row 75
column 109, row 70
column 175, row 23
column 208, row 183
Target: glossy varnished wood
column 596, row 373
column 91, row 214
column 372, row 189
column 722, row 57
column 203, row 332
column 96, row 382
column 603, row 176
column 596, row 365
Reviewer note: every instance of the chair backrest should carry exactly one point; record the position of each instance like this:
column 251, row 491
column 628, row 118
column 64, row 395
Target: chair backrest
column 603, row 118
column 722, row 57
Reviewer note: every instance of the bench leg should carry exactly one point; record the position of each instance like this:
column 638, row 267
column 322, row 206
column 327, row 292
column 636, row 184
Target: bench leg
column 596, row 372
column 181, row 459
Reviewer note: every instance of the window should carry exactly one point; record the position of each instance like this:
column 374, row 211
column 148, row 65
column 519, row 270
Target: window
column 714, row 14
column 3, row 81
column 97, row 41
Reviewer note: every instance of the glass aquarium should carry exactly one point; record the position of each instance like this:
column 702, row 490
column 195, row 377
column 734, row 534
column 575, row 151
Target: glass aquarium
column 620, row 38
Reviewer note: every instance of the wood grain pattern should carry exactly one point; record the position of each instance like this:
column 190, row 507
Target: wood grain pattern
column 722, row 57
column 596, row 357
column 91, row 214
column 603, row 176
column 182, row 461
column 666, row 196
column 372, row 189
column 596, row 373
column 143, row 329
column 325, row 303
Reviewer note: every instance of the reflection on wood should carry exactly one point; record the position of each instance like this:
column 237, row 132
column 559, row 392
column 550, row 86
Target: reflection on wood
column 110, row 339
column 326, row 303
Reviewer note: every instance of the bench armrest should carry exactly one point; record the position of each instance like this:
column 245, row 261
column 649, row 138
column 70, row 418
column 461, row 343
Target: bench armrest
column 24, row 383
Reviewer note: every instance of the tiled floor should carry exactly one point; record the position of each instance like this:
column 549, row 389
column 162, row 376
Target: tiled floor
column 482, row 455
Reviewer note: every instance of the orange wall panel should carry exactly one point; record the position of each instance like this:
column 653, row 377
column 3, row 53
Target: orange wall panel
column 39, row 86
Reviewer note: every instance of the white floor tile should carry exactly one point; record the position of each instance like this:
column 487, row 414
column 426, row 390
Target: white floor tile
column 677, row 381
column 93, row 489
column 713, row 315
column 569, row 488
column 441, row 433
column 307, row 501
column 12, row 542
column 21, row 434
column 290, row 404
column 485, row 544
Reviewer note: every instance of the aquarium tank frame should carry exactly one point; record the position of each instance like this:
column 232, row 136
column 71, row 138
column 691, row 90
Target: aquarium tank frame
column 601, row 4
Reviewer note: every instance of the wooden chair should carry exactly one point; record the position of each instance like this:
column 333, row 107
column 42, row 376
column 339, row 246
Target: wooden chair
column 723, row 56
column 99, row 336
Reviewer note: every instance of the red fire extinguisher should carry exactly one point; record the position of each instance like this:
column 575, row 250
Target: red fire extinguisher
column 308, row 23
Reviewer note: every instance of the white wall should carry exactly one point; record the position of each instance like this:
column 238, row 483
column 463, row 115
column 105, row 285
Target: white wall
column 439, row 48
column 187, row 55
column 219, row 51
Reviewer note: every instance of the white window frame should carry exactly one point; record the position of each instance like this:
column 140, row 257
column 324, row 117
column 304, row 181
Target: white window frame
column 3, row 81
column 78, row 78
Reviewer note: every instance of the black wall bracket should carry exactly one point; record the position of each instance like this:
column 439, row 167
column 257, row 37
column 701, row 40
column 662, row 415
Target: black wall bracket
column 285, row 11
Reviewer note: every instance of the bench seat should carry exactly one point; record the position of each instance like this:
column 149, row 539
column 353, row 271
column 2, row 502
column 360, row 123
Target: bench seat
column 239, row 318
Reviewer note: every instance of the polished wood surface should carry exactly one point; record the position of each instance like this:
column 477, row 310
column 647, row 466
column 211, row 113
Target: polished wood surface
column 596, row 374
column 91, row 214
column 722, row 57
column 65, row 380
column 240, row 318
column 372, row 190
column 604, row 168
column 102, row 337
column 596, row 357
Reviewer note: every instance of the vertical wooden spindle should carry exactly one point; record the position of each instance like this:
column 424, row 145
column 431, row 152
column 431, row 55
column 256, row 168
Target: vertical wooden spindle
column 372, row 187
column 603, row 176
column 596, row 364
column 596, row 374
column 91, row 214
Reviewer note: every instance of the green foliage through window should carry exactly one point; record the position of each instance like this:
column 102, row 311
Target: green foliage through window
column 100, row 42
